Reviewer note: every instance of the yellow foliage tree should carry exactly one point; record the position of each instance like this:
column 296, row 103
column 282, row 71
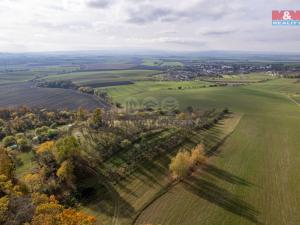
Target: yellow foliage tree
column 180, row 165
column 73, row 217
column 33, row 181
column 198, row 154
column 49, row 212
column 45, row 147
column 38, row 199
column 65, row 171
column 65, row 148
column 4, row 201
column 6, row 164
column 6, row 186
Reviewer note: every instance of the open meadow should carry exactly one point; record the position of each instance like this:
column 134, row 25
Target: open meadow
column 254, row 177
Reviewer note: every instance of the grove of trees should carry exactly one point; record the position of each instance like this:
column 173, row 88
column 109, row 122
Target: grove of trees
column 184, row 161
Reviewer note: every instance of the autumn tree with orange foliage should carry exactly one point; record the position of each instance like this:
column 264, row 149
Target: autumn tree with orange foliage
column 198, row 154
column 45, row 147
column 184, row 161
column 49, row 212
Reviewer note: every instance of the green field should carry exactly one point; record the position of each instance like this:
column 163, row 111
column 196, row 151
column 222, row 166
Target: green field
column 152, row 62
column 254, row 179
column 162, row 63
column 103, row 76
column 24, row 73
column 27, row 163
column 171, row 64
column 152, row 177
column 120, row 93
column 15, row 77
column 243, row 78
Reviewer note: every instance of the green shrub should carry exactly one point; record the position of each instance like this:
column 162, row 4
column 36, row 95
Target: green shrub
column 9, row 141
column 23, row 144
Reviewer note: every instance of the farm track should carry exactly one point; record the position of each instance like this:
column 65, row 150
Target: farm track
column 113, row 193
column 293, row 100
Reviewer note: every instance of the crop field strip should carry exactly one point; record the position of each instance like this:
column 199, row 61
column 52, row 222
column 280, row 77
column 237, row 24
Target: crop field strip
column 23, row 94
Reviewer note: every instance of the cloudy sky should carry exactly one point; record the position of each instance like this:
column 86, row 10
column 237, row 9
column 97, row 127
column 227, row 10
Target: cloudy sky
column 180, row 25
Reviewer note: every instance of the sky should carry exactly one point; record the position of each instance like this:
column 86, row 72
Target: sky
column 169, row 25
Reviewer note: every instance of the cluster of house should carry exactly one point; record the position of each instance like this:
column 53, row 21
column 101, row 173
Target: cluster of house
column 216, row 70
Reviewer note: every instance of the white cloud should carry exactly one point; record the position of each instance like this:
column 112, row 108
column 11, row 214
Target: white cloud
column 34, row 25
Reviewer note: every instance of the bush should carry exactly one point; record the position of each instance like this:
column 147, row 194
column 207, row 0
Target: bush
column 20, row 135
column 87, row 90
column 226, row 111
column 9, row 141
column 52, row 133
column 119, row 105
column 41, row 130
column 23, row 144
column 125, row 143
column 42, row 133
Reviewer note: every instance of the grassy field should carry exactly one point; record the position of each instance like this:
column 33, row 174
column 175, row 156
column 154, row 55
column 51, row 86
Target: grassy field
column 172, row 64
column 255, row 178
column 28, row 73
column 27, row 164
column 152, row 177
column 146, row 89
column 162, row 63
column 86, row 78
column 243, row 78
column 15, row 77
column 152, row 62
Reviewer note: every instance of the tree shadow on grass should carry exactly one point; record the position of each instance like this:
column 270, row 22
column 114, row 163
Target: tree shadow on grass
column 99, row 199
column 215, row 150
column 127, row 190
column 222, row 198
column 224, row 175
column 106, row 205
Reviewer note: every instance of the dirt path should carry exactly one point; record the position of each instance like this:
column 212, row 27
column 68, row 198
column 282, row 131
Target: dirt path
column 293, row 100
column 113, row 193
column 116, row 198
